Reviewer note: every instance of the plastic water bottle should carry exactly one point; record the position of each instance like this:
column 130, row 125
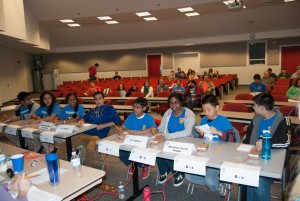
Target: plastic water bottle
column 75, row 161
column 266, row 145
column 147, row 193
column 3, row 163
column 121, row 191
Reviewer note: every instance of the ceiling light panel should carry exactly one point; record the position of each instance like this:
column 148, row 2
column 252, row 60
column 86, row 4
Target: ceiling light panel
column 143, row 14
column 288, row 1
column 66, row 21
column 228, row 2
column 112, row 22
column 192, row 14
column 186, row 9
column 74, row 25
column 150, row 18
column 104, row 18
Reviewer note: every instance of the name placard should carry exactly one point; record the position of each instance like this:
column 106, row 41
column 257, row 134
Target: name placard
column 240, row 173
column 27, row 132
column 12, row 129
column 1, row 126
column 109, row 147
column 134, row 140
column 190, row 164
column 46, row 125
column 144, row 155
column 65, row 128
column 179, row 147
column 47, row 136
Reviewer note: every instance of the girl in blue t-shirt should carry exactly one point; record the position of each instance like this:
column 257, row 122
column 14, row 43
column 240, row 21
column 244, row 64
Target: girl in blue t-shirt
column 72, row 112
column 137, row 123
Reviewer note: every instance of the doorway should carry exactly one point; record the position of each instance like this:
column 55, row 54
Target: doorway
column 290, row 58
column 154, row 64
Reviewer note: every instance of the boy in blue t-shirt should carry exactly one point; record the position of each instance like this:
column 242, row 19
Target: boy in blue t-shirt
column 178, row 88
column 257, row 85
column 222, row 130
column 138, row 123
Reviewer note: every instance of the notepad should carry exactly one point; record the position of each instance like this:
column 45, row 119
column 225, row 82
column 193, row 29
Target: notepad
column 44, row 176
column 36, row 194
column 245, row 147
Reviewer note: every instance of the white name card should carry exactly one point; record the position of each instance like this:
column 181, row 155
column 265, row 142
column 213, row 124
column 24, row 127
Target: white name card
column 27, row 132
column 65, row 128
column 190, row 164
column 12, row 129
column 245, row 147
column 46, row 125
column 134, row 140
column 109, row 147
column 144, row 155
column 1, row 126
column 179, row 147
column 47, row 136
column 240, row 173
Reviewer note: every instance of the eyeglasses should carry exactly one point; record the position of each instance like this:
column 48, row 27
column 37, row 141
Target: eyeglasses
column 27, row 98
column 174, row 103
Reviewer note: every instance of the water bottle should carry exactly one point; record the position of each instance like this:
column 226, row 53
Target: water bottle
column 121, row 191
column 266, row 145
column 3, row 163
column 75, row 161
column 147, row 193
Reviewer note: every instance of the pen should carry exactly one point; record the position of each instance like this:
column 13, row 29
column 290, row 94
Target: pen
column 116, row 126
column 28, row 176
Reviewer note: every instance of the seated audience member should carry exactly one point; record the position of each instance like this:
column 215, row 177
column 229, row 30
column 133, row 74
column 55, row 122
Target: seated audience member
column 16, row 190
column 93, row 72
column 192, row 95
column 206, row 86
column 222, row 130
column 49, row 110
column 137, row 123
column 178, row 88
column 296, row 74
column 132, row 89
column 122, row 90
column 189, row 73
column 182, row 75
column 105, row 116
column 92, row 89
column 177, row 74
column 294, row 91
column 284, row 74
column 117, row 77
column 216, row 74
column 147, row 90
column 210, row 73
column 177, row 122
column 171, row 76
column 23, row 111
column 271, row 74
column 266, row 118
column 257, row 85
column 191, row 78
column 268, row 80
column 162, row 86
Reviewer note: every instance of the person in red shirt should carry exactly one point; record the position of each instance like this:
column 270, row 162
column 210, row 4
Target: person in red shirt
column 93, row 71
column 92, row 89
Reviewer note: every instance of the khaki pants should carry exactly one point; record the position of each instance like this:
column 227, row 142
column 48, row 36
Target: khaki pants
column 88, row 141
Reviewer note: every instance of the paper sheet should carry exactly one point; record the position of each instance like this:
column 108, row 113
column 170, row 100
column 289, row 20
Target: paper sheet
column 245, row 147
column 44, row 176
column 36, row 194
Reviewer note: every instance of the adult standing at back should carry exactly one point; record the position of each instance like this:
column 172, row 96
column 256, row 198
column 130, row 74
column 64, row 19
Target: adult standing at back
column 93, row 71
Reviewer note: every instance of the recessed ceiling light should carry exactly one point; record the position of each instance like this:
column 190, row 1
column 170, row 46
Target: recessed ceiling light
column 112, row 22
column 74, row 25
column 288, row 1
column 192, row 14
column 150, row 18
column 66, row 21
column 143, row 14
column 189, row 44
column 244, row 6
column 187, row 9
column 228, row 2
column 104, row 18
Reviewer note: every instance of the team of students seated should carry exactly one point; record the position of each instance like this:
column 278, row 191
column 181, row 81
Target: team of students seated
column 177, row 122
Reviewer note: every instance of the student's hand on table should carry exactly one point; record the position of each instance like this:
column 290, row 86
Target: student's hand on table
column 80, row 123
column 133, row 132
column 295, row 98
column 14, row 118
column 22, row 185
column 153, row 130
column 4, row 118
column 99, row 126
column 259, row 145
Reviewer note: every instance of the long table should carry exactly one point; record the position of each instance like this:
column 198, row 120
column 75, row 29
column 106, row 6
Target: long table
column 217, row 152
column 66, row 136
column 70, row 186
column 244, row 117
column 250, row 103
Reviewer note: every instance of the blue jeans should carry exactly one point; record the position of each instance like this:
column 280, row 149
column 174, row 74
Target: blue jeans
column 191, row 102
column 262, row 192
column 124, row 157
column 211, row 180
column 166, row 166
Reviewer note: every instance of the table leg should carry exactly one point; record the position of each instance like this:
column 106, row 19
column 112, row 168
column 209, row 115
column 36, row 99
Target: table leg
column 69, row 148
column 21, row 139
column 135, row 183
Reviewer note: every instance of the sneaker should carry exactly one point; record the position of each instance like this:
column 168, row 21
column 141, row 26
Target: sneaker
column 163, row 178
column 178, row 180
column 130, row 170
column 145, row 172
column 222, row 188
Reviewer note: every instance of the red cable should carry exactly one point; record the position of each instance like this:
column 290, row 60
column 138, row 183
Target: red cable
column 226, row 194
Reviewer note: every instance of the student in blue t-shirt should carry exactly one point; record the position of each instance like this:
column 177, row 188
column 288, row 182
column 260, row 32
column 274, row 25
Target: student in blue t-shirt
column 178, row 88
column 222, row 130
column 72, row 112
column 49, row 111
column 137, row 123
column 257, row 85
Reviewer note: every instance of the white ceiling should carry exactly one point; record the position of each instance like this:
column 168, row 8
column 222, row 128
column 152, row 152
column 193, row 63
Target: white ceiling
column 172, row 28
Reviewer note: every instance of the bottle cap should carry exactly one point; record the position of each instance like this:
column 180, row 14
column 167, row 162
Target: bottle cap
column 74, row 153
